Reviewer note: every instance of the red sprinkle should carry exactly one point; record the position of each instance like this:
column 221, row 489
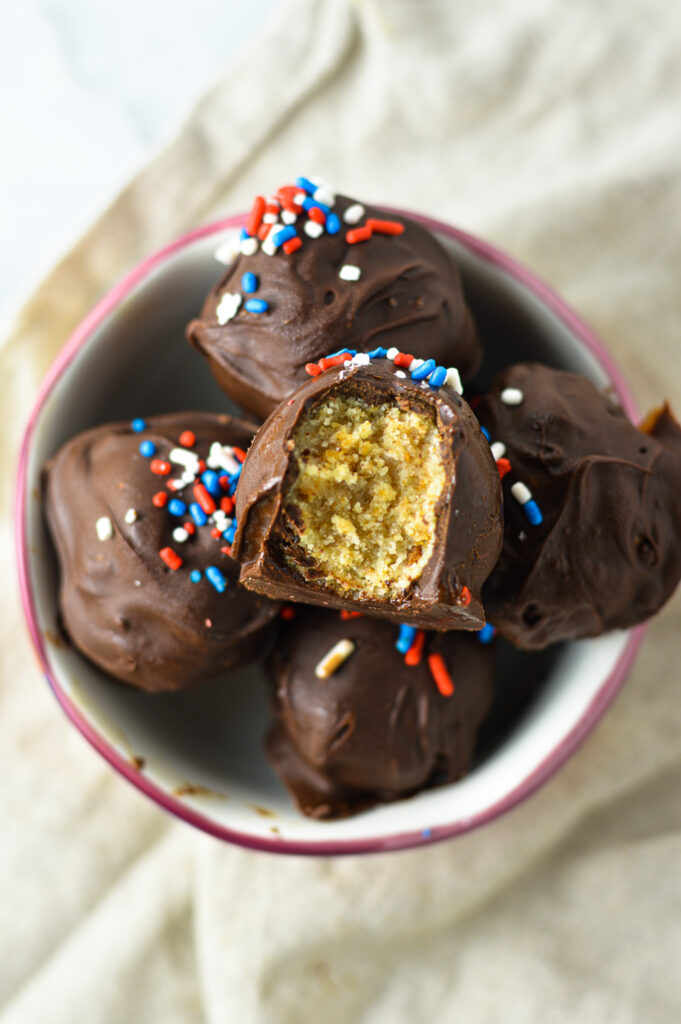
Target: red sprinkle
column 328, row 361
column 171, row 558
column 273, row 206
column 345, row 614
column 286, row 195
column 174, row 485
column 204, row 499
column 227, row 550
column 255, row 216
column 402, row 359
column 190, row 528
column 160, row 467
column 292, row 245
column 413, row 655
column 202, row 465
column 227, row 504
column 224, row 482
column 187, row 439
column 160, row 499
column 438, row 671
column 362, row 234
column 464, row 597
column 215, row 533
column 385, row 227
column 239, row 454
column 314, row 213
column 287, row 611
column 504, row 467
column 263, row 231
column 312, row 369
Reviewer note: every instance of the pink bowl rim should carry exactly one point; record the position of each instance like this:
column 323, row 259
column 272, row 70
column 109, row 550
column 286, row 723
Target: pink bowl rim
column 403, row 840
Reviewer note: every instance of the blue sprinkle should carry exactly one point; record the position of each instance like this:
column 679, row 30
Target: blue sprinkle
column 333, row 224
column 378, row 353
column 342, row 351
column 308, row 204
column 176, row 507
column 214, row 576
column 485, row 434
column 147, row 449
column 426, row 833
column 306, row 185
column 424, row 370
column 437, row 377
column 244, row 234
column 486, row 633
column 249, row 282
column 283, row 235
column 256, row 305
column 195, row 575
column 211, row 481
column 405, row 639
column 197, row 514
column 531, row 509
column 138, row 425
column 230, row 533
column 234, row 480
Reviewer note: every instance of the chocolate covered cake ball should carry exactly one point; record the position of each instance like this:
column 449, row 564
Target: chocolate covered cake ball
column 317, row 271
column 366, row 711
column 372, row 488
column 142, row 519
column 592, row 506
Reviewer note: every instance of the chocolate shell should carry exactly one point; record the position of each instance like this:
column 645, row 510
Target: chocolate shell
column 376, row 729
column 592, row 537
column 124, row 607
column 401, row 290
column 442, row 516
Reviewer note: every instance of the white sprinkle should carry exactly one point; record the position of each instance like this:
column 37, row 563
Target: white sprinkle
column 131, row 515
column 400, row 373
column 349, row 272
column 354, row 213
column 270, row 218
column 299, row 198
column 180, row 534
column 289, row 216
column 512, row 396
column 176, row 484
column 187, row 478
column 322, row 195
column 249, row 246
column 228, row 250
column 521, row 492
column 228, row 307
column 498, row 450
column 183, row 457
column 453, row 379
column 332, row 661
column 137, row 583
column 222, row 457
column 268, row 245
column 313, row 229
column 522, row 535
column 391, row 353
column 104, row 528
column 361, row 359
column 414, row 364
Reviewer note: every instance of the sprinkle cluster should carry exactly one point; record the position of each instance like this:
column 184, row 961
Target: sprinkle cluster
column 306, row 210
column 520, row 491
column 424, row 370
column 213, row 482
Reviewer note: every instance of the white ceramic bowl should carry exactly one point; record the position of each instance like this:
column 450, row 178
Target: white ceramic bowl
column 199, row 754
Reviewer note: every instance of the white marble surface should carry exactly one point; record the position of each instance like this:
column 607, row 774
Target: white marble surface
column 89, row 91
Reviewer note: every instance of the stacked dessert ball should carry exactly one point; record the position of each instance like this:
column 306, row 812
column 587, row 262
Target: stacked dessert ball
column 375, row 531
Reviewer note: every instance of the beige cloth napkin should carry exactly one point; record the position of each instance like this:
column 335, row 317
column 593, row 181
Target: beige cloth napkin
column 553, row 130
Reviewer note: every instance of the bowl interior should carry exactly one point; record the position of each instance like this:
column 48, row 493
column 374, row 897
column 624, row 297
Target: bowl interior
column 200, row 752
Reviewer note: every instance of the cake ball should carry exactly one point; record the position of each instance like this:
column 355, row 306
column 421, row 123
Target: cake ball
column 372, row 488
column 592, row 506
column 366, row 711
column 315, row 271
column 141, row 515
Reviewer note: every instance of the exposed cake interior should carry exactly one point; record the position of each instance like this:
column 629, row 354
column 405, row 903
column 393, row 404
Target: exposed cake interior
column 363, row 505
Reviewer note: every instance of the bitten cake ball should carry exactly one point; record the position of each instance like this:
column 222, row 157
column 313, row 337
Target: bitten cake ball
column 372, row 488
column 367, row 711
column 142, row 519
column 592, row 506
column 315, row 271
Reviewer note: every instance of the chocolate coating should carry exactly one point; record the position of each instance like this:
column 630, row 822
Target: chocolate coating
column 608, row 552
column 122, row 607
column 377, row 729
column 409, row 295
column 468, row 531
